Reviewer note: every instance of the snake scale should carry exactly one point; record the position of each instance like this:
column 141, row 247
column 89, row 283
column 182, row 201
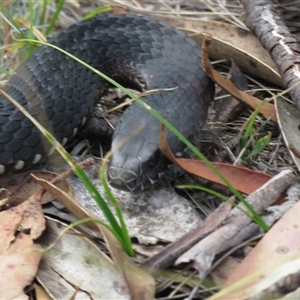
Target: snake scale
column 137, row 52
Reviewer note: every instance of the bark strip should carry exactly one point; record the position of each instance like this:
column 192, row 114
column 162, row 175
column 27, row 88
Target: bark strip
column 275, row 37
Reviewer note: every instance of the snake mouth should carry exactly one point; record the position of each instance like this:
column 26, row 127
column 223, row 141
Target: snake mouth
column 125, row 180
column 129, row 181
column 130, row 174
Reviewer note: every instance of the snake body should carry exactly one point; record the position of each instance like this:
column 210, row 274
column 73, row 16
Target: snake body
column 136, row 51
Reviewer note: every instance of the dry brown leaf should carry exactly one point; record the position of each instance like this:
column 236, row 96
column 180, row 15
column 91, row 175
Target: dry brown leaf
column 228, row 108
column 141, row 284
column 247, row 63
column 267, row 110
column 69, row 202
column 282, row 240
column 21, row 186
column 20, row 256
column 27, row 215
column 238, row 38
column 242, row 179
column 19, row 265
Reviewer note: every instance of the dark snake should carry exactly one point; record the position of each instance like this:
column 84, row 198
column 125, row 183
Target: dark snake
column 60, row 93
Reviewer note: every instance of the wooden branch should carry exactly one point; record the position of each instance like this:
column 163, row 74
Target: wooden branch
column 273, row 34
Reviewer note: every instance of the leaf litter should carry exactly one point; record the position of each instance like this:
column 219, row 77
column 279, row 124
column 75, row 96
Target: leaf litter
column 262, row 162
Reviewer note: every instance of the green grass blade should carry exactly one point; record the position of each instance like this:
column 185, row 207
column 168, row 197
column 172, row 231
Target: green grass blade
column 214, row 193
column 54, row 17
column 125, row 235
column 6, row 72
column 100, row 10
column 259, row 145
column 250, row 126
column 43, row 13
column 12, row 22
column 31, row 20
column 83, row 177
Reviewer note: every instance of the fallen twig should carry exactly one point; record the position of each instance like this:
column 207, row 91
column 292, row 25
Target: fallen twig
column 238, row 227
column 275, row 37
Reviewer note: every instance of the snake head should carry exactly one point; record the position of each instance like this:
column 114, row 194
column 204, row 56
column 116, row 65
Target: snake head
column 135, row 173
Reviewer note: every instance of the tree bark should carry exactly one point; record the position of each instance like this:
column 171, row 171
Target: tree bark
column 275, row 37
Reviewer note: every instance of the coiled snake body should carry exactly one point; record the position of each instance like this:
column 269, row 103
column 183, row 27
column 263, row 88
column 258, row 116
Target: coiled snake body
column 138, row 52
